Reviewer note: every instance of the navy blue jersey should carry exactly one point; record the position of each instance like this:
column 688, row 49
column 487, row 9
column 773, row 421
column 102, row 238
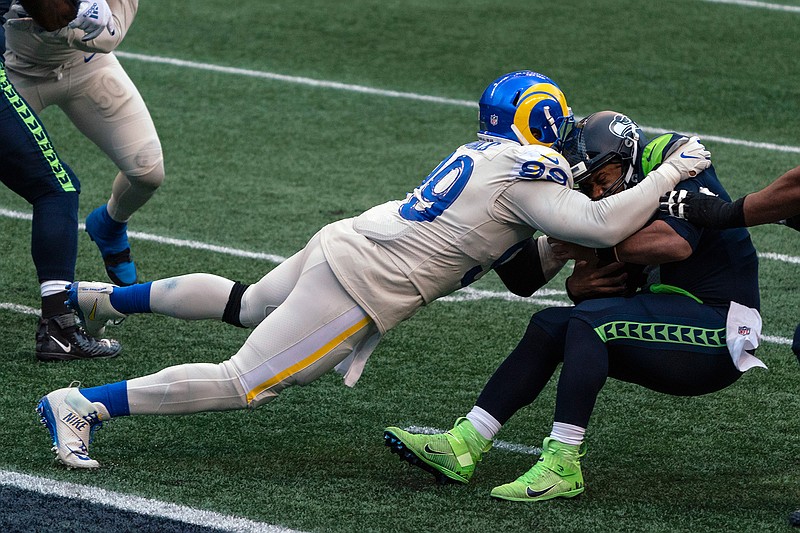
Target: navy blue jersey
column 724, row 265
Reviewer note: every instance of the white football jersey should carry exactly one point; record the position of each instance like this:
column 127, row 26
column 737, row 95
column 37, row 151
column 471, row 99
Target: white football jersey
column 35, row 52
column 472, row 213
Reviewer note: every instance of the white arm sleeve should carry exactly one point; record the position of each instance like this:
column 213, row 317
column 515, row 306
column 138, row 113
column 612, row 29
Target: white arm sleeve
column 569, row 215
column 550, row 265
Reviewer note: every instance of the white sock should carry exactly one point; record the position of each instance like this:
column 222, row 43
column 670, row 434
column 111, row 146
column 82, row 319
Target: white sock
column 191, row 296
column 53, row 286
column 567, row 433
column 484, row 423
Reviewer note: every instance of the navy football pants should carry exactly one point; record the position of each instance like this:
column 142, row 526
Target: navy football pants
column 667, row 343
column 30, row 167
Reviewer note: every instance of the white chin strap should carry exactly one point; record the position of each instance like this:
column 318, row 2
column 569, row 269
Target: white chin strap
column 520, row 137
column 632, row 167
column 551, row 121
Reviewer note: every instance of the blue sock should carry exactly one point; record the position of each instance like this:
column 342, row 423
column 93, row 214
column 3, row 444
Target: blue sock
column 110, row 223
column 114, row 396
column 132, row 299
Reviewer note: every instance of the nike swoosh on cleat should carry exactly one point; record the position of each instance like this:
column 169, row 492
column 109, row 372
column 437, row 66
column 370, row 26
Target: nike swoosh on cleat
column 80, row 454
column 86, row 59
column 427, row 449
column 93, row 312
column 66, row 347
column 536, row 493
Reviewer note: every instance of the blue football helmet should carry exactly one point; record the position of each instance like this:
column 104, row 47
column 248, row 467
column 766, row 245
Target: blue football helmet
column 526, row 107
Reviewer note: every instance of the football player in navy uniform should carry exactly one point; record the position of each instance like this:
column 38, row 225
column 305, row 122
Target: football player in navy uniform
column 30, row 166
column 778, row 202
column 686, row 333
column 329, row 304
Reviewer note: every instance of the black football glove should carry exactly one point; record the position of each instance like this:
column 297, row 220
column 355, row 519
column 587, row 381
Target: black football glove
column 793, row 222
column 703, row 209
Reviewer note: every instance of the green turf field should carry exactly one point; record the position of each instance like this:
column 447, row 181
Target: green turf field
column 259, row 163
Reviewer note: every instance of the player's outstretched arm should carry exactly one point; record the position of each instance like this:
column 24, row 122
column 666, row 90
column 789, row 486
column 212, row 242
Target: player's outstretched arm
column 571, row 216
column 776, row 202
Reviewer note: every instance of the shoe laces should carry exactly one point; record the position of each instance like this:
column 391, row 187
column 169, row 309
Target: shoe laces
column 534, row 473
column 89, row 344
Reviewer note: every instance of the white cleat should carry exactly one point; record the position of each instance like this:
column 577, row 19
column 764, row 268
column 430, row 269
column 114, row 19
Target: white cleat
column 92, row 301
column 71, row 419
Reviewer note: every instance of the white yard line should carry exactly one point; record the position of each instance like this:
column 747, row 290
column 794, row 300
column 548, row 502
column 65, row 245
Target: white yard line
column 466, row 294
column 136, row 504
column 335, row 85
column 760, row 5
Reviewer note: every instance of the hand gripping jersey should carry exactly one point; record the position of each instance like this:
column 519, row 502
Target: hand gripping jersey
column 472, row 213
column 40, row 53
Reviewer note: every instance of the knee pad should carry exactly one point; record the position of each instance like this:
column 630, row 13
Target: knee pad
column 234, row 305
column 147, row 169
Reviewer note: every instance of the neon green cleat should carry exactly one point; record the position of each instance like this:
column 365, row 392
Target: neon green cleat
column 557, row 474
column 450, row 456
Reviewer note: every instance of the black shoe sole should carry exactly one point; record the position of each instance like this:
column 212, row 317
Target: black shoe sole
column 46, row 357
column 396, row 445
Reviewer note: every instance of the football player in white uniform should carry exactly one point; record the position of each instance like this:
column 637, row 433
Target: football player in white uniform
column 74, row 67
column 328, row 305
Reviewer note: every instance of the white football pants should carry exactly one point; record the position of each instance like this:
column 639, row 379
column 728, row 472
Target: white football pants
column 105, row 105
column 307, row 324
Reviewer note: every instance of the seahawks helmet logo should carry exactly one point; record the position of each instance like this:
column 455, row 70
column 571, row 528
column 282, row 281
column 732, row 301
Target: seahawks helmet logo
column 622, row 126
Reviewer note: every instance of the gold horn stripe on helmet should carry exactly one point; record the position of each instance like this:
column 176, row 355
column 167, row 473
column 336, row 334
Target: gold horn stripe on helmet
column 528, row 100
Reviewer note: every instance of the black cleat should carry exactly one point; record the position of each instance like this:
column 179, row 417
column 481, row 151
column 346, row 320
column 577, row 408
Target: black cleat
column 59, row 338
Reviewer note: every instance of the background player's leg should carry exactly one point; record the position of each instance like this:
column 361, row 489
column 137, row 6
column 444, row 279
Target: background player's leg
column 107, row 108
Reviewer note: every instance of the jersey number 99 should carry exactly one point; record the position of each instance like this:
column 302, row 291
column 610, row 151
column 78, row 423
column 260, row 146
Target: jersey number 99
column 439, row 190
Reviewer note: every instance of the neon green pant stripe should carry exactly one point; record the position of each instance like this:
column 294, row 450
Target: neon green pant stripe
column 671, row 333
column 36, row 129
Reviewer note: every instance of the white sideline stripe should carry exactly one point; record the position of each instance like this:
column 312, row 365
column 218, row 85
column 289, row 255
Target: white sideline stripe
column 779, row 257
column 762, row 5
column 311, row 82
column 25, row 310
column 136, row 504
column 182, row 243
column 776, row 340
column 197, row 245
column 498, row 444
column 292, row 79
column 466, row 294
column 17, row 308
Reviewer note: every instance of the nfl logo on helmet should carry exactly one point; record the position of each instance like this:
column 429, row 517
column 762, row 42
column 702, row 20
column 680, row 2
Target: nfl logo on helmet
column 493, row 120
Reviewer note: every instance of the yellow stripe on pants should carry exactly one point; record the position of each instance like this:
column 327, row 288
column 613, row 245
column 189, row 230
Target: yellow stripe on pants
column 308, row 361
